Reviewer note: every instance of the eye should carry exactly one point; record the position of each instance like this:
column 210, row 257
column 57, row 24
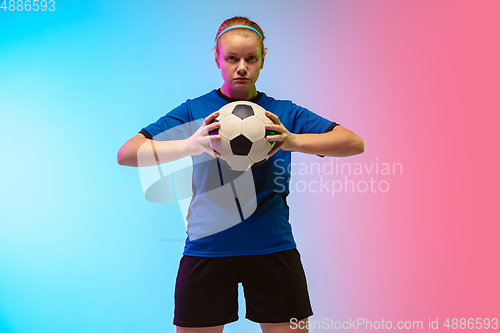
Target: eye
column 252, row 59
column 231, row 59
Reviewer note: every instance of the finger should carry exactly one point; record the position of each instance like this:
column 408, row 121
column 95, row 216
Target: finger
column 211, row 117
column 276, row 137
column 273, row 117
column 212, row 152
column 210, row 138
column 208, row 143
column 212, row 126
column 274, row 150
column 274, row 127
column 202, row 131
column 206, row 128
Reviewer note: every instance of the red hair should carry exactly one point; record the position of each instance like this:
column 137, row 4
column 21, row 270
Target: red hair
column 239, row 20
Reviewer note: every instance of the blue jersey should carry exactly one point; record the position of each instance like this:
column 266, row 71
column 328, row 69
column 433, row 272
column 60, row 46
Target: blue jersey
column 267, row 228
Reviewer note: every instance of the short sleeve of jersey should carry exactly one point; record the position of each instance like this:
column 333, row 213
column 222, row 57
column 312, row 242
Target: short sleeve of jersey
column 306, row 121
column 175, row 125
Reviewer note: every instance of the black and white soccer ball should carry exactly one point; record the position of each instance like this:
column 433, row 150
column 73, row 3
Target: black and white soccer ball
column 243, row 143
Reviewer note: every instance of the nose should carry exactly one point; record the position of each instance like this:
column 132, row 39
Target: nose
column 242, row 67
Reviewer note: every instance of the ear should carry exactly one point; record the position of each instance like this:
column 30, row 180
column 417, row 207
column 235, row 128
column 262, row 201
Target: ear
column 263, row 57
column 216, row 59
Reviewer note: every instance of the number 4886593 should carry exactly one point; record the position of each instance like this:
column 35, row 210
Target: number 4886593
column 28, row 5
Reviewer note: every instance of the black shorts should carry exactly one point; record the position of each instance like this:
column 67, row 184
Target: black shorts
column 206, row 290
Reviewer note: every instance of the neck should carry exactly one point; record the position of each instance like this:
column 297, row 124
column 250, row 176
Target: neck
column 239, row 94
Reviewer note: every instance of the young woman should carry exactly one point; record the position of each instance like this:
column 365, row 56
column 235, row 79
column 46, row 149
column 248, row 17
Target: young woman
column 259, row 251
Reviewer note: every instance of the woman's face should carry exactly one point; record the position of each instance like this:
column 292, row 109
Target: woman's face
column 240, row 60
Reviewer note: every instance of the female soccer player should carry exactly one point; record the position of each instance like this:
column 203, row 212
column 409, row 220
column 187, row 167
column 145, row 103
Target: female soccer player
column 260, row 251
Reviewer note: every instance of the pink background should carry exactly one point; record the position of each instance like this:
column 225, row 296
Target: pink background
column 420, row 85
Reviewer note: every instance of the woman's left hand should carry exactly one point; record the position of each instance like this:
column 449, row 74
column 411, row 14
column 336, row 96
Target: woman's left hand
column 284, row 139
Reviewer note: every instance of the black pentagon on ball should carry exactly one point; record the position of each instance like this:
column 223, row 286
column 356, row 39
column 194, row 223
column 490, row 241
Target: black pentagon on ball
column 243, row 111
column 240, row 145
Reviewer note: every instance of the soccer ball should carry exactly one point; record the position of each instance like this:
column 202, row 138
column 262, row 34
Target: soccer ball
column 243, row 143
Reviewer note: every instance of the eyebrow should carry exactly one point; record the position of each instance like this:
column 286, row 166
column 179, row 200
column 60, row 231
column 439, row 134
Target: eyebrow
column 251, row 53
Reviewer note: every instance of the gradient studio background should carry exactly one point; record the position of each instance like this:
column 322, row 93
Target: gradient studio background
column 81, row 250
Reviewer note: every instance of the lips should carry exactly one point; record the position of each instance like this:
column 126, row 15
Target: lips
column 241, row 79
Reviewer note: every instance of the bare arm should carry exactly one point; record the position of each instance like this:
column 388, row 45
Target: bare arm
column 339, row 142
column 141, row 151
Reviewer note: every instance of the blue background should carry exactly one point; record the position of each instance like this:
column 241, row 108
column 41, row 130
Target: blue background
column 81, row 250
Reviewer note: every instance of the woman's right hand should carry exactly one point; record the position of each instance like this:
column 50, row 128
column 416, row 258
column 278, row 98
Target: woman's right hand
column 199, row 142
